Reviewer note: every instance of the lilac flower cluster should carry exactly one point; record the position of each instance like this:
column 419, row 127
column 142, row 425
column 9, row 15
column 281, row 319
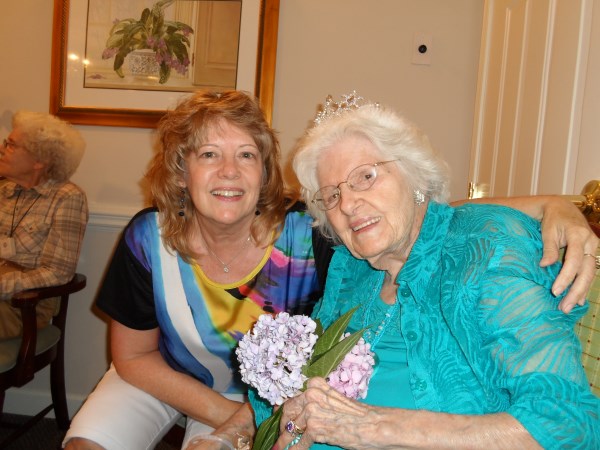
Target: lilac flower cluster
column 109, row 52
column 164, row 55
column 273, row 354
column 352, row 376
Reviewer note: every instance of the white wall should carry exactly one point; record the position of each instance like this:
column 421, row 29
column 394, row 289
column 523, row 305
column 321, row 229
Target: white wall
column 588, row 161
column 331, row 46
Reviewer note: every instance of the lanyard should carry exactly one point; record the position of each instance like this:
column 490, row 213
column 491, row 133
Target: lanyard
column 13, row 225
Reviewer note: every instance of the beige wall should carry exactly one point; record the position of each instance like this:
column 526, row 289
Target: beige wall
column 333, row 47
column 588, row 160
column 325, row 47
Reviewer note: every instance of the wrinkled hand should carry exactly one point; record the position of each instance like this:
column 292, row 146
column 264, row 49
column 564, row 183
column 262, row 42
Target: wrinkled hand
column 326, row 416
column 564, row 225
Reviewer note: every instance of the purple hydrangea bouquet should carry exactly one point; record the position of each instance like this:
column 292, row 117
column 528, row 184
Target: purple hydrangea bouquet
column 282, row 352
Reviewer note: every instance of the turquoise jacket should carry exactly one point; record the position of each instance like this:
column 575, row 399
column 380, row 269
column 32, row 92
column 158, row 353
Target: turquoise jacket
column 482, row 329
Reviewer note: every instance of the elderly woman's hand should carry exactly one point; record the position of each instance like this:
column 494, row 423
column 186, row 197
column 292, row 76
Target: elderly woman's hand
column 324, row 415
column 564, row 225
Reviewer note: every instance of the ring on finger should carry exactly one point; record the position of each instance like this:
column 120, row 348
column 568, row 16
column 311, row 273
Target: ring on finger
column 597, row 258
column 293, row 429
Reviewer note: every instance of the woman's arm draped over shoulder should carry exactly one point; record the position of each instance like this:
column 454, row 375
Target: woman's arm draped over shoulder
column 563, row 225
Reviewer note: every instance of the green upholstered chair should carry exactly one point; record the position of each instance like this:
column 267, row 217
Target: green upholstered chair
column 588, row 330
column 22, row 357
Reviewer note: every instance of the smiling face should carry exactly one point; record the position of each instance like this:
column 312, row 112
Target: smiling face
column 379, row 224
column 224, row 176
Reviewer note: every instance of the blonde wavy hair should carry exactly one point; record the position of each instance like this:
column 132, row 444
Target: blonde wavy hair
column 51, row 141
column 184, row 129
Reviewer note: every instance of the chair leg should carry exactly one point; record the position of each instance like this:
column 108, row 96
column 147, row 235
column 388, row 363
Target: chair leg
column 58, row 391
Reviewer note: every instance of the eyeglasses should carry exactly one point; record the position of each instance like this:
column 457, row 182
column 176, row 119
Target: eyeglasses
column 10, row 144
column 359, row 179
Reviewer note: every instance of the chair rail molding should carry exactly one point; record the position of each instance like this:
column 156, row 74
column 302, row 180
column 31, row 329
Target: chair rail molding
column 107, row 218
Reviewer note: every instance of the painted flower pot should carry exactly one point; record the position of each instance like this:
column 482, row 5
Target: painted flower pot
column 142, row 64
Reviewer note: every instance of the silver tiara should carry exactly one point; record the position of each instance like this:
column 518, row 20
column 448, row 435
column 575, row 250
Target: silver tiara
column 331, row 109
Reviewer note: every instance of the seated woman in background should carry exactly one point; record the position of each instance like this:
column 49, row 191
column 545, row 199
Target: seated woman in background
column 226, row 244
column 43, row 215
column 472, row 350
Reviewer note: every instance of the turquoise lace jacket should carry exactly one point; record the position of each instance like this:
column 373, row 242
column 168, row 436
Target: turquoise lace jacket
column 482, row 329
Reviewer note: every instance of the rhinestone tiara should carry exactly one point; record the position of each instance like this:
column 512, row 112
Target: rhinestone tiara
column 332, row 109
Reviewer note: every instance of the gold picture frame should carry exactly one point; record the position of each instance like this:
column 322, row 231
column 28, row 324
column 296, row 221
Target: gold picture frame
column 114, row 112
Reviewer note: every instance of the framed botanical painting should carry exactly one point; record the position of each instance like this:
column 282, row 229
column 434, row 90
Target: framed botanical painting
column 125, row 62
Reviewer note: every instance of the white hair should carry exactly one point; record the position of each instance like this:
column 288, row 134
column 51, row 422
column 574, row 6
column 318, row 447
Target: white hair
column 51, row 141
column 396, row 139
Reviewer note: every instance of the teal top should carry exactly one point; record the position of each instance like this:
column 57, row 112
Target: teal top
column 482, row 331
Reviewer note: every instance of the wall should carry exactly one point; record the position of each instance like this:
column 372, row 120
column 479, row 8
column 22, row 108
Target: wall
column 325, row 47
column 333, row 47
column 588, row 162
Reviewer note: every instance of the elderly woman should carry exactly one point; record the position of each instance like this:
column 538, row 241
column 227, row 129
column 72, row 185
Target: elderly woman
column 42, row 214
column 471, row 349
column 226, row 244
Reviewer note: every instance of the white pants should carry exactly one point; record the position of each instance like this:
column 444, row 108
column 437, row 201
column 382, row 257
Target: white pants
column 119, row 416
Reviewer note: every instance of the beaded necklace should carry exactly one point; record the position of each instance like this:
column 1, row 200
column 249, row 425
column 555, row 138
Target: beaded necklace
column 373, row 337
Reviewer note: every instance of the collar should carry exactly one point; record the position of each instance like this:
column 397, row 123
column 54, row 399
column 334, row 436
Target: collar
column 424, row 259
column 425, row 256
column 10, row 189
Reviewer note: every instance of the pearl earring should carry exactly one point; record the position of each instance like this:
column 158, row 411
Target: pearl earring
column 418, row 197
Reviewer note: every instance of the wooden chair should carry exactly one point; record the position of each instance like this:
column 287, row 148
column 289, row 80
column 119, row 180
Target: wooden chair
column 588, row 328
column 22, row 357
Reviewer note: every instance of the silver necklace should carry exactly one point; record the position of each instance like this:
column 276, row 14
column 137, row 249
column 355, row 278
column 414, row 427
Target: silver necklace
column 373, row 336
column 223, row 263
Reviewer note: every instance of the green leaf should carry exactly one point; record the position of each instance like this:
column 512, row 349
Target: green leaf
column 319, row 329
column 178, row 49
column 268, row 432
column 333, row 334
column 119, row 60
column 322, row 366
column 145, row 15
column 164, row 73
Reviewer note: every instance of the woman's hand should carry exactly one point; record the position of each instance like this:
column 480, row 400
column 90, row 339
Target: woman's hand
column 564, row 225
column 325, row 415
column 237, row 433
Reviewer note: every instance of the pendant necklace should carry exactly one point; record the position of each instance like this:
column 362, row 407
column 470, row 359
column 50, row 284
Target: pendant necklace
column 373, row 336
column 13, row 225
column 223, row 263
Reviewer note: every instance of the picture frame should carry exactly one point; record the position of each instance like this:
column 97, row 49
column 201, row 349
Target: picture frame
column 70, row 101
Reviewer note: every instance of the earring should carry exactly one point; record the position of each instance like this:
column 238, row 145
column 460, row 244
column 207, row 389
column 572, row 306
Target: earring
column 182, row 203
column 418, row 197
column 257, row 213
